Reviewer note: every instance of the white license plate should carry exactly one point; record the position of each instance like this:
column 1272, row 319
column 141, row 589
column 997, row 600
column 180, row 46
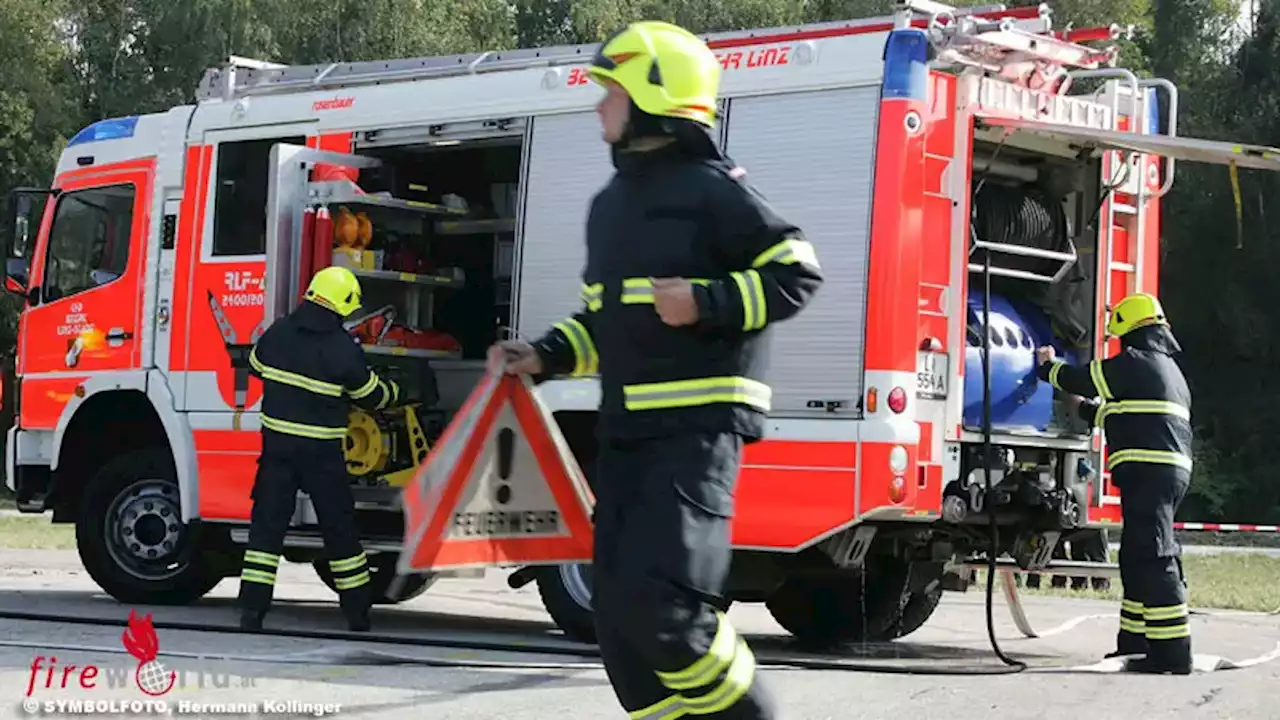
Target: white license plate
column 932, row 370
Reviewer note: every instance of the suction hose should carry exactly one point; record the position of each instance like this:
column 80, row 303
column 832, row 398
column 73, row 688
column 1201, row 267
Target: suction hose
column 988, row 452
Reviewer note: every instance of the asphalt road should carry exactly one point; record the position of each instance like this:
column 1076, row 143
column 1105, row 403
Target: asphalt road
column 233, row 668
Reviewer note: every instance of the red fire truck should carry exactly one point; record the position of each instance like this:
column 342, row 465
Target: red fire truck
column 924, row 154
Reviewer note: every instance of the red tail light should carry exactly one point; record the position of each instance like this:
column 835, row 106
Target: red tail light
column 898, row 400
column 897, row 489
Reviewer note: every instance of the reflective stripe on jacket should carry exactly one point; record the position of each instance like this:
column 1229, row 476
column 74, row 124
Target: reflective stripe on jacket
column 1144, row 403
column 666, row 215
column 312, row 371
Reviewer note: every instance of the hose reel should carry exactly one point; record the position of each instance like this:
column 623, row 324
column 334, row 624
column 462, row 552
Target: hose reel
column 368, row 444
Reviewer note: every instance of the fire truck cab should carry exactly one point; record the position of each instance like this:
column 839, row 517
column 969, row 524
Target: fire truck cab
column 929, row 156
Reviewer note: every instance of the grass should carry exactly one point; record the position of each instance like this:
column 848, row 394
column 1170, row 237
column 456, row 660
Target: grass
column 1225, row 582
column 35, row 533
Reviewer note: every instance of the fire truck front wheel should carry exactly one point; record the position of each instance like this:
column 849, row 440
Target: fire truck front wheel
column 131, row 537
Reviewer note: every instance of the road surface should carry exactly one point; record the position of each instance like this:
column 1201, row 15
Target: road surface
column 254, row 670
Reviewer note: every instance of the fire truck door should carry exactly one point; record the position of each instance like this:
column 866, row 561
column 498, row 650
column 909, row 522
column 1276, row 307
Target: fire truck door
column 84, row 316
column 223, row 281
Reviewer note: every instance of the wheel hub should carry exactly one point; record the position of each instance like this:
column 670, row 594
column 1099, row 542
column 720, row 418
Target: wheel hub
column 576, row 578
column 144, row 529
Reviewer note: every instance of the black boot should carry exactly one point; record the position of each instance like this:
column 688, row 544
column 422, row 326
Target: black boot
column 251, row 620
column 1159, row 666
column 359, row 624
column 356, row 604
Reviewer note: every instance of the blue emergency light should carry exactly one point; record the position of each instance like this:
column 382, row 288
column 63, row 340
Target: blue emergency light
column 906, row 65
column 112, row 129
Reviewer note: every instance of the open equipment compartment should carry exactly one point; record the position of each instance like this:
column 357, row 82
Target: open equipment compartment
column 1036, row 208
column 425, row 218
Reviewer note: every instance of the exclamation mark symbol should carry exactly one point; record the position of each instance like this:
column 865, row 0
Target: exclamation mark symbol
column 506, row 456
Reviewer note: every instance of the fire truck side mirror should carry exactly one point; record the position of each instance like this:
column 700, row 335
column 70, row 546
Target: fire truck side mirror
column 26, row 205
column 21, row 224
column 15, row 276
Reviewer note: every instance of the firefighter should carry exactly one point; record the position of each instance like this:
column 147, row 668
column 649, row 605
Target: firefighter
column 1145, row 411
column 311, row 369
column 687, row 267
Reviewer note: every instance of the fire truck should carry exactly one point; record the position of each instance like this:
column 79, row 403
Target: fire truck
column 977, row 184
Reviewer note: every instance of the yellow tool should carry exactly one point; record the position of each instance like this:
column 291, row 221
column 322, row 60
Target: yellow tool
column 368, row 447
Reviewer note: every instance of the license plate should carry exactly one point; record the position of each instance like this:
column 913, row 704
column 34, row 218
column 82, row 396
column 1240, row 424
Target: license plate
column 931, row 374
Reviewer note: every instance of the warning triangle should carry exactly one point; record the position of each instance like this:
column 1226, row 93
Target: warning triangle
column 500, row 487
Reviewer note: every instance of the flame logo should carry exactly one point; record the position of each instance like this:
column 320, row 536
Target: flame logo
column 141, row 642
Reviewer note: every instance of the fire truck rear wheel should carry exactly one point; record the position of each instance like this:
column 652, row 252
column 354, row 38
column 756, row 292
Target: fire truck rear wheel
column 131, row 537
column 566, row 594
column 382, row 573
column 831, row 609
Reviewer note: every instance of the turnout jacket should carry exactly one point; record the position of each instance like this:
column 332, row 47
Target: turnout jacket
column 1145, row 408
column 312, row 370
column 666, row 213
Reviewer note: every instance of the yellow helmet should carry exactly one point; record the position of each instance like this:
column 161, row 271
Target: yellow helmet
column 335, row 288
column 667, row 70
column 1135, row 311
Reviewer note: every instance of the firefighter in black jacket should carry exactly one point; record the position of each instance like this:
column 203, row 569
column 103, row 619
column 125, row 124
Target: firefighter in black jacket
column 687, row 266
column 311, row 370
column 1146, row 415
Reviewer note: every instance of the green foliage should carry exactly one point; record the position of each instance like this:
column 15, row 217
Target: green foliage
column 68, row 64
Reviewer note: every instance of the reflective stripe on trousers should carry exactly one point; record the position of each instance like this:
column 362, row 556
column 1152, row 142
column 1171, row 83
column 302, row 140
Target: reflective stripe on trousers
column 692, row 393
column 313, row 432
column 265, row 571
column 729, row 660
column 1131, row 617
column 1154, row 457
column 349, row 573
column 1167, row 623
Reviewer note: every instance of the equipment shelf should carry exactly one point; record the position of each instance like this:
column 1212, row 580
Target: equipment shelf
column 475, row 227
column 409, row 352
column 412, row 278
column 345, row 192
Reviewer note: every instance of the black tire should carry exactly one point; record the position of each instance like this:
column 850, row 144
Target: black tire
column 820, row 610
column 131, row 538
column 919, row 608
column 382, row 573
column 823, row 610
column 566, row 594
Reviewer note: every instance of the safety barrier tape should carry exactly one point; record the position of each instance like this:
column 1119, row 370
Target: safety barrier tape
column 1226, row 527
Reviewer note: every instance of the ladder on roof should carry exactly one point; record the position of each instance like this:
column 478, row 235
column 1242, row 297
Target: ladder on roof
column 242, row 77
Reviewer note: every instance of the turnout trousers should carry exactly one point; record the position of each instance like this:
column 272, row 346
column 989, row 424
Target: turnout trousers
column 316, row 467
column 1154, row 620
column 662, row 554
